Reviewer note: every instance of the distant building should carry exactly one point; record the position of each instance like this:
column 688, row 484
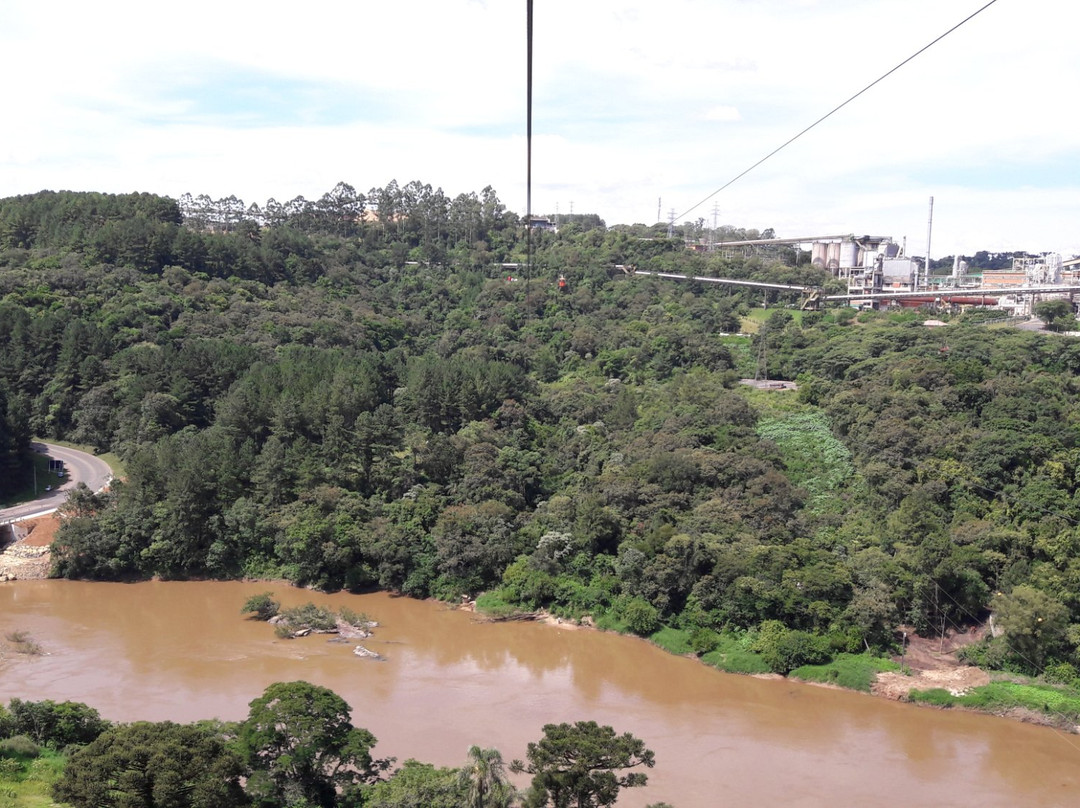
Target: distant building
column 542, row 223
column 868, row 263
column 850, row 252
column 1002, row 278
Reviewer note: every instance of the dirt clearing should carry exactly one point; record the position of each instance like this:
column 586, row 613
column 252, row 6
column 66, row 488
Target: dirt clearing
column 933, row 663
column 28, row 557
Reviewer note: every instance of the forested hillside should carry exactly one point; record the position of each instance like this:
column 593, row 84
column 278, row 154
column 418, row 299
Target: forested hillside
column 376, row 401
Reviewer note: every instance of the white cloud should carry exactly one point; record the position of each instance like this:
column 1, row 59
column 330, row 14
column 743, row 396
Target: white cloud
column 633, row 102
column 723, row 114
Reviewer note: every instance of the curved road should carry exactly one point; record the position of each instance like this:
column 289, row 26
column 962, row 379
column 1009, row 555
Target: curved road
column 80, row 467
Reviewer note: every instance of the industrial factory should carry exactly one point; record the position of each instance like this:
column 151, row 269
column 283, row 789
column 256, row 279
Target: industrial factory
column 877, row 271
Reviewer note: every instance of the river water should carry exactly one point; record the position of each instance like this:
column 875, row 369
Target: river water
column 182, row 651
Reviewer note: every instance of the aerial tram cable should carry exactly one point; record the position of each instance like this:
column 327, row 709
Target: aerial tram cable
column 528, row 146
column 829, row 114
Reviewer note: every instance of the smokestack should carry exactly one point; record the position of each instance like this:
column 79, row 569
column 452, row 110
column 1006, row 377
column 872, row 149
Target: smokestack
column 929, row 230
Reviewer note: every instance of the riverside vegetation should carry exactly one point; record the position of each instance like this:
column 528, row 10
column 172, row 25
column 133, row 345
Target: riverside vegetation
column 303, row 391
column 297, row 748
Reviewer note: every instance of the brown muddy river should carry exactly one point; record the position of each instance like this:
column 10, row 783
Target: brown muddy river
column 181, row 651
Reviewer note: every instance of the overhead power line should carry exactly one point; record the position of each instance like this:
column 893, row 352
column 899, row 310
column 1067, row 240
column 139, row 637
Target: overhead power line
column 833, row 111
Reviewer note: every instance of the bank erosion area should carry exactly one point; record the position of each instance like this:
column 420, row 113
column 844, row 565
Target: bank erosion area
column 357, row 393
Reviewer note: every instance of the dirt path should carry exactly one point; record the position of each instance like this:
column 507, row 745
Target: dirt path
column 29, row 558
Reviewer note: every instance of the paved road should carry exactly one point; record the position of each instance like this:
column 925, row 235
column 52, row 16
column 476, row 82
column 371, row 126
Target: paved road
column 80, row 466
column 1033, row 324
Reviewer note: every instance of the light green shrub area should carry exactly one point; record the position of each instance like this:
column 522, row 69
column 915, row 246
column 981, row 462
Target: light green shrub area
column 492, row 604
column 813, row 457
column 730, row 651
column 733, row 654
column 673, row 640
column 609, row 621
column 736, row 660
column 1061, row 702
column 28, row 784
column 851, row 671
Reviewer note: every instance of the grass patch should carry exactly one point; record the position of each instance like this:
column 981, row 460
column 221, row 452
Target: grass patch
column 772, row 403
column 851, row 671
column 29, row 785
column 115, row 463
column 736, row 660
column 1062, row 702
column 673, row 640
column 609, row 621
column 751, row 323
column 935, row 697
column 732, row 655
column 493, row 605
column 756, row 317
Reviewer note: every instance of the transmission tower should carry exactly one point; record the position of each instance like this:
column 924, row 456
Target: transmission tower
column 761, row 372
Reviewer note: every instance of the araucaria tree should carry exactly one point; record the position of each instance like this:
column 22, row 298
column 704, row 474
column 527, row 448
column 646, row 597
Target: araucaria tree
column 576, row 765
column 302, row 747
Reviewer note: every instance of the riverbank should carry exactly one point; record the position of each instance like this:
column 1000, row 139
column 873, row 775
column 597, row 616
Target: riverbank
column 929, row 673
column 930, row 665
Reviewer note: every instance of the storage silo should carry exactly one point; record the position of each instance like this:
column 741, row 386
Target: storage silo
column 833, row 260
column 849, row 254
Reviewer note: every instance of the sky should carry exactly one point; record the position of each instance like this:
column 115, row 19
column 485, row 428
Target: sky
column 641, row 111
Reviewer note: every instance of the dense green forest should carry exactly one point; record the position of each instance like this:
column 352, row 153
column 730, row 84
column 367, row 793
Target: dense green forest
column 359, row 393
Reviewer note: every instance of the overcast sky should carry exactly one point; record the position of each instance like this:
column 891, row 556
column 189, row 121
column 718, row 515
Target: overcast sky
column 638, row 107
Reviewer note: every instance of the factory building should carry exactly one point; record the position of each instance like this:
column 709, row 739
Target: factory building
column 876, row 265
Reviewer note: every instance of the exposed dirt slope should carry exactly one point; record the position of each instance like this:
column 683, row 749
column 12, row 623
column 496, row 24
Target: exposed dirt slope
column 28, row 558
column 933, row 663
